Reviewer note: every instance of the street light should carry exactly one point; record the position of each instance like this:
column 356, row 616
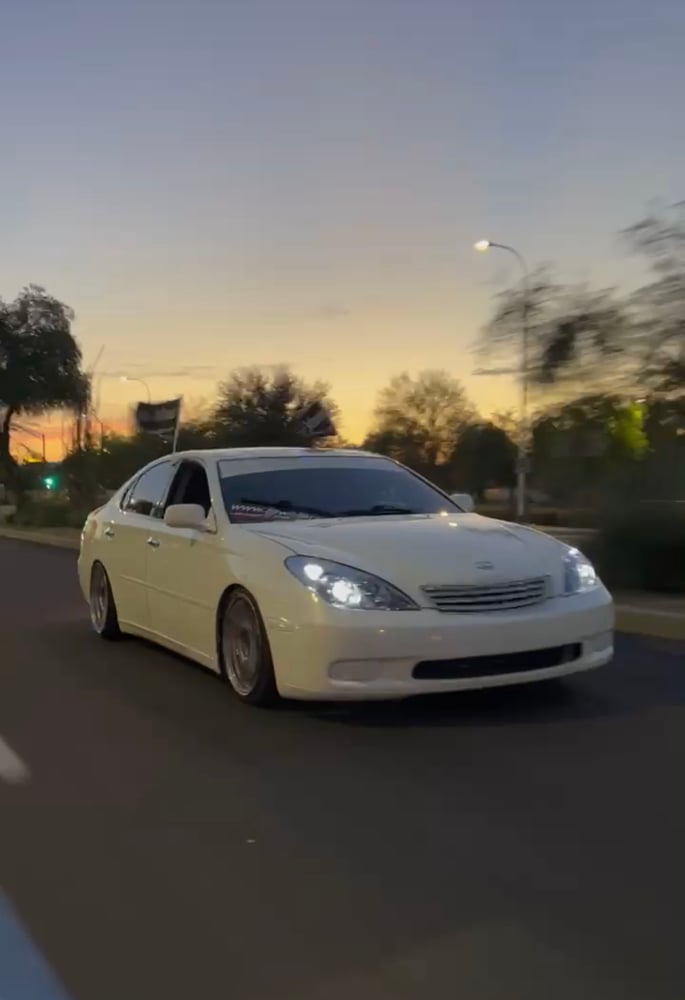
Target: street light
column 132, row 378
column 482, row 246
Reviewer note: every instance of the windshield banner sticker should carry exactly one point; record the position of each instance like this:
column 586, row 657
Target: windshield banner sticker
column 253, row 512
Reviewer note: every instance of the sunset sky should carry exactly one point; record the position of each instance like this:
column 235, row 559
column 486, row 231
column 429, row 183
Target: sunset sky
column 216, row 183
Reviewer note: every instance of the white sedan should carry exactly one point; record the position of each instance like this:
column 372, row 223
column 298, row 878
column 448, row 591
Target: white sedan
column 335, row 574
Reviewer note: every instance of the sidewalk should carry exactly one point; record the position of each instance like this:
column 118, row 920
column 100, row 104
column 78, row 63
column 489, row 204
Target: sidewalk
column 656, row 615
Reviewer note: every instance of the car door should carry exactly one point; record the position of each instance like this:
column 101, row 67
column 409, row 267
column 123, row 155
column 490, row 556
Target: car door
column 187, row 570
column 126, row 545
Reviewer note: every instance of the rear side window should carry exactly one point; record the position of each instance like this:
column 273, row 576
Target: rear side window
column 149, row 490
column 190, row 486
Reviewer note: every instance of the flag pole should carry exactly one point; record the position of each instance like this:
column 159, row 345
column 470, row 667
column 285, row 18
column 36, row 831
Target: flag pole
column 178, row 425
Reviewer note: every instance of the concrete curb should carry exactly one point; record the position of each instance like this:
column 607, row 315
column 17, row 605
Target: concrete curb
column 631, row 618
column 656, row 623
column 40, row 538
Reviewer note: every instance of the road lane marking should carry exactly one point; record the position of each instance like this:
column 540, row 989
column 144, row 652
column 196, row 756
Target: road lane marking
column 24, row 973
column 13, row 770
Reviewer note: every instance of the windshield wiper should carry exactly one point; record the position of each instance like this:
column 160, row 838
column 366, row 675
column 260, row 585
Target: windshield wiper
column 378, row 510
column 285, row 506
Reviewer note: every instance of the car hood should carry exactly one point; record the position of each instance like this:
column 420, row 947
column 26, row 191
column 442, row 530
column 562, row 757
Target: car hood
column 420, row 550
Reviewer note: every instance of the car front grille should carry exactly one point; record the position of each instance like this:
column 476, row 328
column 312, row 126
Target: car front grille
column 492, row 666
column 491, row 597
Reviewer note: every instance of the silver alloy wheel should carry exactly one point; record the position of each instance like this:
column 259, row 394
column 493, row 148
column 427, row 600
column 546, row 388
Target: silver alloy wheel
column 241, row 639
column 99, row 598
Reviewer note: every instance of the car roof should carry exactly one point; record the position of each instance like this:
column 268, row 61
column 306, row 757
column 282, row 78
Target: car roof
column 245, row 453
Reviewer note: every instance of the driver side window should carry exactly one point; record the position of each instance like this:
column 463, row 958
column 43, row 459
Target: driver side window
column 191, row 485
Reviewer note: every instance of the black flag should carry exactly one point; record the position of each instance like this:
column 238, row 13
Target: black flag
column 159, row 418
column 315, row 421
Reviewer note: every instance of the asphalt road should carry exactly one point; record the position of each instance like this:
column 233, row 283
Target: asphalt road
column 171, row 843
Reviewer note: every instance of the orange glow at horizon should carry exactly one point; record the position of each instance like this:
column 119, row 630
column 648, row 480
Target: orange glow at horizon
column 355, row 347
column 115, row 414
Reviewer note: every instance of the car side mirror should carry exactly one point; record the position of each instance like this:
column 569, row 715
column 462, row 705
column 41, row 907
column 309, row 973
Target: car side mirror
column 185, row 515
column 463, row 500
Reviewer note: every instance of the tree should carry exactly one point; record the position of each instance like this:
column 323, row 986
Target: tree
column 507, row 421
column 665, row 422
column 93, row 470
column 484, row 457
column 40, row 362
column 576, row 334
column 660, row 304
column 418, row 420
column 580, row 448
column 257, row 407
column 595, row 338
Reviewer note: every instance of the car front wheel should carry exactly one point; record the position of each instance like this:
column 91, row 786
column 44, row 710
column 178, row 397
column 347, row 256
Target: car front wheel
column 244, row 654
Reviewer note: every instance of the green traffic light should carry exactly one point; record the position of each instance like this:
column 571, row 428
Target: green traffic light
column 49, row 482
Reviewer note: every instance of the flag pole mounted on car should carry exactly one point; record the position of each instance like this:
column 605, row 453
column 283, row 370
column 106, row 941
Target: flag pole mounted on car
column 178, row 425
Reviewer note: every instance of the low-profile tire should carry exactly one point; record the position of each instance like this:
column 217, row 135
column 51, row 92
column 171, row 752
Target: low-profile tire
column 244, row 653
column 103, row 610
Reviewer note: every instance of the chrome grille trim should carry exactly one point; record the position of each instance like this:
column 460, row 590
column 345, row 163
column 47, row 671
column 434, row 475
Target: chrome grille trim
column 488, row 597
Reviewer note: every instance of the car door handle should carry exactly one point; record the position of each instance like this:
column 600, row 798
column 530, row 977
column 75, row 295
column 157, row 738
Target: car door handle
column 109, row 532
column 153, row 542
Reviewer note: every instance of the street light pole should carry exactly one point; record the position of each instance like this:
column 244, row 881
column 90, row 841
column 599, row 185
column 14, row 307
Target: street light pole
column 522, row 458
column 132, row 378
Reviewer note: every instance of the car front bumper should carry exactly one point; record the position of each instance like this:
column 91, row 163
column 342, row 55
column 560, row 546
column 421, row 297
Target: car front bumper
column 360, row 655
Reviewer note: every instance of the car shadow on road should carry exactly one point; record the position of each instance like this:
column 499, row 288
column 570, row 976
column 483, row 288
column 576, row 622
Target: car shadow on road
column 549, row 701
column 645, row 675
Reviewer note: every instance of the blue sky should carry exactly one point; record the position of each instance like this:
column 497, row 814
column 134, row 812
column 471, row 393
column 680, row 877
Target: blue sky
column 210, row 184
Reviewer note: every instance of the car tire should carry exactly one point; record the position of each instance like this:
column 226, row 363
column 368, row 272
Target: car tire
column 243, row 649
column 103, row 611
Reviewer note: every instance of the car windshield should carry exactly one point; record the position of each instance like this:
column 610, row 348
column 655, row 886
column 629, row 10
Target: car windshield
column 297, row 493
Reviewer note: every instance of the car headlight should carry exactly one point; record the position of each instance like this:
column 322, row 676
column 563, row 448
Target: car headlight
column 579, row 573
column 345, row 587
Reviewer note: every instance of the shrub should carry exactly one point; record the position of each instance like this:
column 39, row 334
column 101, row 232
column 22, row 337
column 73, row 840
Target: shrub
column 53, row 512
column 550, row 517
column 643, row 547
